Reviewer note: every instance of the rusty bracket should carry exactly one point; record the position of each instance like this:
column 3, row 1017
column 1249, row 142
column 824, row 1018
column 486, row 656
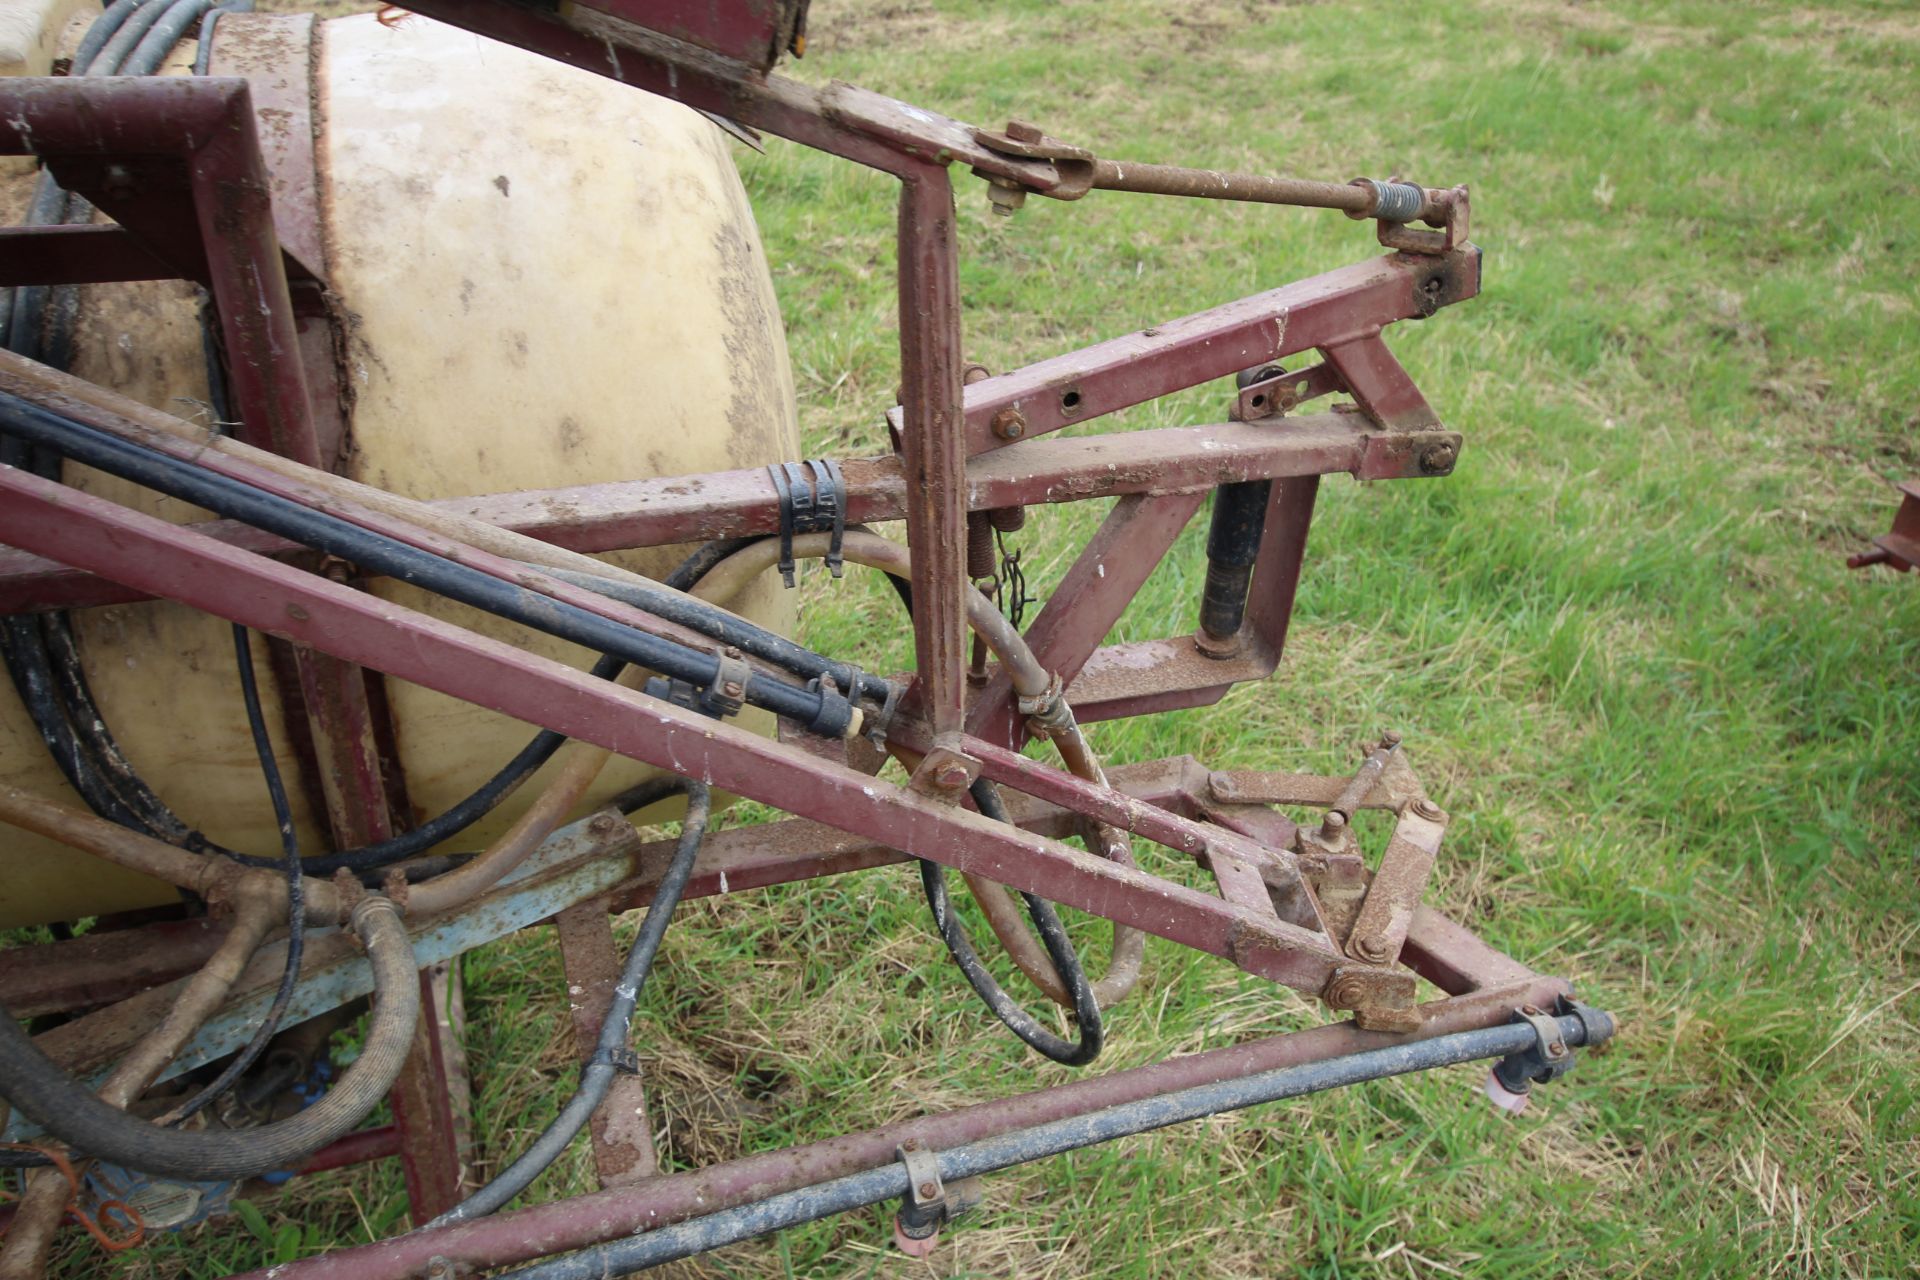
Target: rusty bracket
column 944, row 773
column 1381, row 999
column 1386, row 913
column 1023, row 141
column 1273, row 391
column 1901, row 546
column 1394, row 454
column 1453, row 232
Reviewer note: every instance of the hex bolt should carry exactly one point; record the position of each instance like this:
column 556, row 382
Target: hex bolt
column 1021, row 131
column 1009, row 423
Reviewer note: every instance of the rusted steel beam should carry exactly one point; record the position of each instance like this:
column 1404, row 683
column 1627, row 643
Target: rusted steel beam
column 509, row 1238
column 202, row 129
column 932, row 448
column 101, row 968
column 174, row 561
column 1456, row 960
column 1321, row 312
column 622, row 1139
column 362, row 1147
column 79, row 253
column 618, row 515
column 1379, row 385
column 1386, row 913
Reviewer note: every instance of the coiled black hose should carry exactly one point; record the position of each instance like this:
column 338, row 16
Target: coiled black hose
column 597, row 1076
column 66, row 1109
column 1066, row 962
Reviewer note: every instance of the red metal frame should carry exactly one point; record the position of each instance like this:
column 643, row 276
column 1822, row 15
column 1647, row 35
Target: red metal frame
column 178, row 165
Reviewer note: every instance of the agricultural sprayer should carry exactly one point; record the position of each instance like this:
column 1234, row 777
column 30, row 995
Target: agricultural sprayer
column 368, row 379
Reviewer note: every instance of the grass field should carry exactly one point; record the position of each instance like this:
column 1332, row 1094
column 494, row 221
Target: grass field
column 1682, row 741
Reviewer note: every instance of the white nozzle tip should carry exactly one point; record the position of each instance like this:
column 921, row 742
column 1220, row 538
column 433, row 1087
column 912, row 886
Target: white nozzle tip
column 1502, row 1097
column 911, row 1247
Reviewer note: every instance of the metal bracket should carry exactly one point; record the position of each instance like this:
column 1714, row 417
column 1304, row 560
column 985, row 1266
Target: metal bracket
column 729, row 690
column 944, row 773
column 1548, row 1059
column 1273, row 392
column 930, row 1202
column 1453, row 234
column 813, row 499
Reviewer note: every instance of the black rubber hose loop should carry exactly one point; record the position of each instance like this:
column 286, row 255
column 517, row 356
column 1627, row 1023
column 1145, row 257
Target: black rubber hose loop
column 1086, row 1010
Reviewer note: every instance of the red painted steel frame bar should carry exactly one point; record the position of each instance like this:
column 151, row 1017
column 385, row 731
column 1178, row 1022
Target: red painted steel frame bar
column 619, row 515
column 575, row 1223
column 933, row 453
column 207, row 126
column 173, row 561
column 1320, row 312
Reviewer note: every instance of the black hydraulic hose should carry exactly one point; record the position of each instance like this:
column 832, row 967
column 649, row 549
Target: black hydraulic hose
column 821, row 711
column 152, row 51
column 808, row 1204
column 205, row 52
column 296, row 889
column 452, row 821
column 726, row 628
column 597, row 1076
column 1066, row 962
column 39, row 1090
column 132, row 29
column 103, row 29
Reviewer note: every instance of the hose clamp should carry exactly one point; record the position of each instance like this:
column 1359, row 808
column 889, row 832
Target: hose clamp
column 882, row 720
column 621, row 1058
column 813, row 499
column 1047, row 713
column 1546, row 1060
column 930, row 1201
column 728, row 692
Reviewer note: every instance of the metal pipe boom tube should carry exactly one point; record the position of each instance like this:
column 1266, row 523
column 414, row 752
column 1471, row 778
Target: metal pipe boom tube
column 822, row 712
column 1022, row 1146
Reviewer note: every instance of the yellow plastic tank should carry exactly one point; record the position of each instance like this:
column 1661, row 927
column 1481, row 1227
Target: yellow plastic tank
column 548, row 279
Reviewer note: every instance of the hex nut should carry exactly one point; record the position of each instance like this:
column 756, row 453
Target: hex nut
column 1438, row 459
column 1010, row 423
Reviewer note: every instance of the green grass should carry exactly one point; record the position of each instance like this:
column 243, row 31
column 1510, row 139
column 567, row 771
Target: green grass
column 1682, row 740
